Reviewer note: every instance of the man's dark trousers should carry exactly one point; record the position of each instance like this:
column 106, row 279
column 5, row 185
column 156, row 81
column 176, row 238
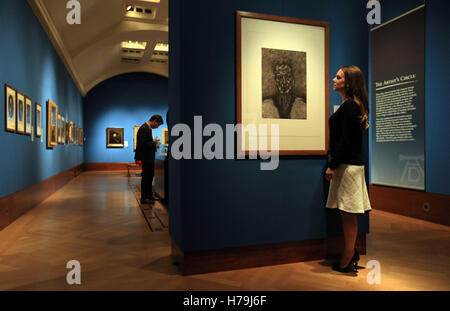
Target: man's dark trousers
column 148, row 171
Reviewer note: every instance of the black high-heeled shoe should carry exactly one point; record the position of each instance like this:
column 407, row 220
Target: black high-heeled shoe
column 356, row 257
column 351, row 267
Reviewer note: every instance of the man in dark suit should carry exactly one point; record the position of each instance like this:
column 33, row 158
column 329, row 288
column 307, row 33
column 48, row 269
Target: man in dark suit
column 145, row 152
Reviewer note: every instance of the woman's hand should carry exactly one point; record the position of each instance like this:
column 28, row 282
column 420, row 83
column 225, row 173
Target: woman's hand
column 329, row 174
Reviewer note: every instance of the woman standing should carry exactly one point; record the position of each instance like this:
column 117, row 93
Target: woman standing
column 348, row 191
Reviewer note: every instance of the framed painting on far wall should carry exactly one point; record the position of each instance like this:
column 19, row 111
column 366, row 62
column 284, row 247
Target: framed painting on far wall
column 63, row 130
column 80, row 136
column 38, row 122
column 59, row 129
column 282, row 83
column 11, row 111
column 136, row 129
column 165, row 138
column 52, row 124
column 75, row 134
column 114, row 138
column 70, row 132
column 28, row 115
column 20, row 113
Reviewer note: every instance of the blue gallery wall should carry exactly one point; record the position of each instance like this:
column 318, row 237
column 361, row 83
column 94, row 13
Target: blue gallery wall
column 437, row 109
column 227, row 203
column 122, row 101
column 30, row 64
column 437, row 73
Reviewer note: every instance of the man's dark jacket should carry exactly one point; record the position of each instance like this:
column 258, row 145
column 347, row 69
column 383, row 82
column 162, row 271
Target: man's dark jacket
column 145, row 147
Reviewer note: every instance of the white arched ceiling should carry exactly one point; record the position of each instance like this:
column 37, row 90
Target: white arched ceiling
column 91, row 51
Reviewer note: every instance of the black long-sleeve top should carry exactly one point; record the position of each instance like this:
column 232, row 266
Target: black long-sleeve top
column 346, row 135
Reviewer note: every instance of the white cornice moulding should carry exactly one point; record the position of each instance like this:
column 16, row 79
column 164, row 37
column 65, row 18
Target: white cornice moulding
column 40, row 10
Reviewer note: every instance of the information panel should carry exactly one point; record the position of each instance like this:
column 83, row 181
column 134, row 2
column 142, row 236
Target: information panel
column 398, row 102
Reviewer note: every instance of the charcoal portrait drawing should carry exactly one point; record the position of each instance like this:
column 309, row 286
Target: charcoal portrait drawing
column 21, row 109
column 283, row 84
column 11, row 107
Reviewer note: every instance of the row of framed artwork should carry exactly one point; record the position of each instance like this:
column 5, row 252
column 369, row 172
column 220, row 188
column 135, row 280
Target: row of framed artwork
column 115, row 137
column 60, row 131
column 19, row 112
column 19, row 115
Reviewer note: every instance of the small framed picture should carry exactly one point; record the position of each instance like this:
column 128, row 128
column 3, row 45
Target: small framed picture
column 75, row 134
column 136, row 129
column 11, row 111
column 28, row 115
column 70, row 132
column 67, row 132
column 165, row 137
column 59, row 129
column 20, row 113
column 38, row 122
column 80, row 136
column 63, row 131
column 52, row 124
column 114, row 138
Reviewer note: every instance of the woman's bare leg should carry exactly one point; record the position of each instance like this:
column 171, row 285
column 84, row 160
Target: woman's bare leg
column 350, row 227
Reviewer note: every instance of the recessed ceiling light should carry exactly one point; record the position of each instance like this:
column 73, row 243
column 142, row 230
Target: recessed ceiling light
column 135, row 45
column 162, row 47
column 129, row 8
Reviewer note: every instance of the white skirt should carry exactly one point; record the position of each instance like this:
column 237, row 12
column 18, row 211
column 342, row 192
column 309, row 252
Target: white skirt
column 348, row 191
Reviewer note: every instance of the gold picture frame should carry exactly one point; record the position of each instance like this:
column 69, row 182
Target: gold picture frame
column 63, row 130
column 80, row 137
column 59, row 129
column 165, row 137
column 135, row 131
column 28, row 116
column 38, row 120
column 75, row 134
column 20, row 101
column 115, row 137
column 70, row 132
column 52, row 124
column 10, row 109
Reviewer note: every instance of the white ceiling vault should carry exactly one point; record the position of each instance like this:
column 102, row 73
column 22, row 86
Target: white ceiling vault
column 92, row 51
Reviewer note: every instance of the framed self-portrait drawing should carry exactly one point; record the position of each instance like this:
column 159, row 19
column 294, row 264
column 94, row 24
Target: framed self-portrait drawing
column 10, row 106
column 20, row 113
column 38, row 122
column 114, row 138
column 52, row 124
column 282, row 84
column 28, row 116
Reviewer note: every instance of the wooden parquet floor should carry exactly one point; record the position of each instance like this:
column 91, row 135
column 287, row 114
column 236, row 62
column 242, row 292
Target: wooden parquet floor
column 96, row 220
column 156, row 214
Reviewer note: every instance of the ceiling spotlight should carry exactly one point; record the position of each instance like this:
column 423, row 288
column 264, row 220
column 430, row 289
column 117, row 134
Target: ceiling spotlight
column 129, row 8
column 162, row 47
